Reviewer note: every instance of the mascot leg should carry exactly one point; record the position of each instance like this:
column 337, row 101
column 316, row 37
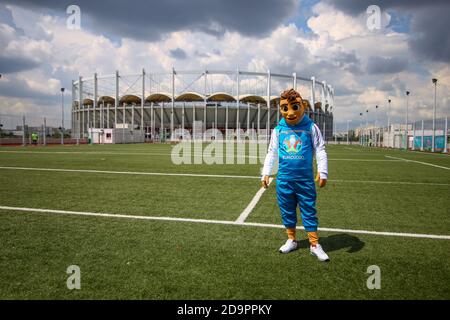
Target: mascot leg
column 287, row 201
column 306, row 194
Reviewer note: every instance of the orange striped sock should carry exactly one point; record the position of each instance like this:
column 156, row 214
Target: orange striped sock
column 291, row 232
column 313, row 238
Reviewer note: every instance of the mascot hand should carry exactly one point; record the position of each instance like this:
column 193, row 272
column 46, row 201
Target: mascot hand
column 322, row 182
column 265, row 181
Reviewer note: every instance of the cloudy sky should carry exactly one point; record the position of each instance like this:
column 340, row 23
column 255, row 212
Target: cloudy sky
column 328, row 39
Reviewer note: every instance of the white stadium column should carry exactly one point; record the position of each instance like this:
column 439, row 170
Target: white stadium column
column 205, row 101
column 88, row 118
column 237, row 103
column 102, row 115
column 116, row 102
column 124, row 115
column 248, row 115
column 182, row 119
column 152, row 121
column 172, row 110
column 142, row 101
column 215, row 115
column 161, row 124
column 193, row 117
column 226, row 122
column 83, row 117
column 258, row 120
column 108, row 108
column 72, row 113
column 123, row 122
column 133, row 105
column 80, row 104
column 95, row 101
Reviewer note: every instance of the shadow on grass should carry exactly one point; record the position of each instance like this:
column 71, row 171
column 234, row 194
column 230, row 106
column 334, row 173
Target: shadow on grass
column 336, row 242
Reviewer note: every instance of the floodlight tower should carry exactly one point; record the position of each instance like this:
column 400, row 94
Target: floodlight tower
column 389, row 122
column 376, row 125
column 434, row 80
column 406, row 128
column 62, row 116
column 367, row 127
column 361, row 141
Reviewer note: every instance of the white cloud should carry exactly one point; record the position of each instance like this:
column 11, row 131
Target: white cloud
column 336, row 51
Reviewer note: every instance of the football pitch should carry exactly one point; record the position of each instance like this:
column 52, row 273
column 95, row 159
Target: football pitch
column 140, row 227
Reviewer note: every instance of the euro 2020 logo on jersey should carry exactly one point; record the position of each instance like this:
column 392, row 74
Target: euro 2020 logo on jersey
column 293, row 144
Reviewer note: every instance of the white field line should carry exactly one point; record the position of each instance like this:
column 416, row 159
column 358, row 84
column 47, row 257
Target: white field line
column 225, row 222
column 415, row 161
column 369, row 160
column 89, row 152
column 430, row 153
column 210, row 175
column 162, row 154
column 133, row 172
column 252, row 204
column 391, row 182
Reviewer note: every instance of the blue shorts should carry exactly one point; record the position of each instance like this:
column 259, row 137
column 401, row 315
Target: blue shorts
column 301, row 193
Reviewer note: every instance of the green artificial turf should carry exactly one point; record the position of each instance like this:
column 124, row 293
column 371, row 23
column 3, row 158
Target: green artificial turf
column 146, row 259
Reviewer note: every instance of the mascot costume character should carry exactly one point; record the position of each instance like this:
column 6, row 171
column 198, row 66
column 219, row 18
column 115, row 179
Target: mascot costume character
column 293, row 143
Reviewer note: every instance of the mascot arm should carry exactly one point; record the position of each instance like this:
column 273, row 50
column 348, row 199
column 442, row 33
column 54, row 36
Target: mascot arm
column 271, row 161
column 321, row 156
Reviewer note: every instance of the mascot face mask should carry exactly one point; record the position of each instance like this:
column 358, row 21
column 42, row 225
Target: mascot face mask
column 292, row 107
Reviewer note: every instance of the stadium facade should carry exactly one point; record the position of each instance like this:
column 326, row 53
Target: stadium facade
column 155, row 104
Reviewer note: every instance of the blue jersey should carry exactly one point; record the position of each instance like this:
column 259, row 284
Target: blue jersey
column 295, row 150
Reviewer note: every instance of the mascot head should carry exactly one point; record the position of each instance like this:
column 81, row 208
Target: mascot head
column 292, row 106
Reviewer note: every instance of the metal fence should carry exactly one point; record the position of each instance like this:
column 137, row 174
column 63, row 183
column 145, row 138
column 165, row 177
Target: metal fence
column 419, row 135
column 16, row 130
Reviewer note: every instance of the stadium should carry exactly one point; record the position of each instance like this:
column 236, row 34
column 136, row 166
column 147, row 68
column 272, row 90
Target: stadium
column 152, row 105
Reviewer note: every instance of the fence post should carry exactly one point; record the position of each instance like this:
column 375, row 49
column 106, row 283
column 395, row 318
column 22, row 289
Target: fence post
column 445, row 135
column 423, row 135
column 45, row 132
column 23, row 132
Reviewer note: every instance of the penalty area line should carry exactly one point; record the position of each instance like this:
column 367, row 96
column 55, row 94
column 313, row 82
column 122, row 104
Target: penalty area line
column 252, row 204
column 223, row 222
column 420, row 162
column 133, row 172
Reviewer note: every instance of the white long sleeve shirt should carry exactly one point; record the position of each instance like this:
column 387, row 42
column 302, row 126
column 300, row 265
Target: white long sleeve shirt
column 271, row 161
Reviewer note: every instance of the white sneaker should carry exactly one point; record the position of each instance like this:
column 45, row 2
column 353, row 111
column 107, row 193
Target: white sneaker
column 289, row 246
column 319, row 253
